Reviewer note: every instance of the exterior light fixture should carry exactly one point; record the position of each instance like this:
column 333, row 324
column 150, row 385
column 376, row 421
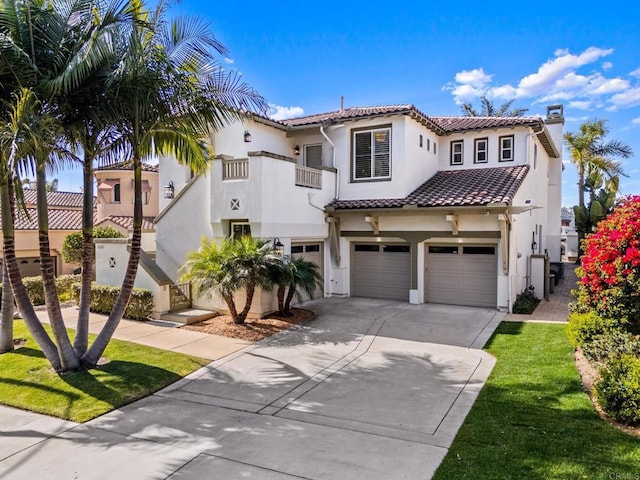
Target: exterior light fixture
column 296, row 150
column 169, row 190
column 278, row 247
column 247, row 136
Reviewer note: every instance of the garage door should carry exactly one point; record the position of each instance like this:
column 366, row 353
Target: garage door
column 311, row 252
column 381, row 270
column 30, row 266
column 462, row 275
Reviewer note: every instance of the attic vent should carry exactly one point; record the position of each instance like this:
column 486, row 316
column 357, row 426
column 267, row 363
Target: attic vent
column 235, row 204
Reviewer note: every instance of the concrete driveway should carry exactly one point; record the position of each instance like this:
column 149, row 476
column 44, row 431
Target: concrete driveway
column 371, row 389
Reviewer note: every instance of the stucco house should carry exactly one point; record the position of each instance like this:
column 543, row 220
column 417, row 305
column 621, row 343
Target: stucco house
column 65, row 217
column 390, row 202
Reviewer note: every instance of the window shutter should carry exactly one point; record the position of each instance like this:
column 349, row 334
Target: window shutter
column 382, row 149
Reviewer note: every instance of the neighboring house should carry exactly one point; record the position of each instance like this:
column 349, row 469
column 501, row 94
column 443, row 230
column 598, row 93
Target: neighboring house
column 390, row 202
column 65, row 217
column 115, row 199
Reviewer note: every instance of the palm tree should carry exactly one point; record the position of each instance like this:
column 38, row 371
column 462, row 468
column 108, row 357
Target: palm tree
column 171, row 92
column 590, row 152
column 305, row 276
column 229, row 267
column 488, row 109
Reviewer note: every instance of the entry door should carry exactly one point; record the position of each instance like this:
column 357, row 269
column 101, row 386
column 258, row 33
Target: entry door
column 381, row 270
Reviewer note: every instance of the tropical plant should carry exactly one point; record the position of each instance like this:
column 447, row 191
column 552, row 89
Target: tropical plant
column 73, row 246
column 602, row 199
column 235, row 264
column 593, row 155
column 305, row 276
column 488, row 109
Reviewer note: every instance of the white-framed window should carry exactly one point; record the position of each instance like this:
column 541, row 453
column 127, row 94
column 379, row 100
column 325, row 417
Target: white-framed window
column 457, row 152
column 480, row 150
column 239, row 229
column 313, row 155
column 372, row 154
column 506, row 148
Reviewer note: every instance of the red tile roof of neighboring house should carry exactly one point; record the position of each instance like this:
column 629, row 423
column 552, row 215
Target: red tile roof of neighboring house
column 459, row 124
column 349, row 114
column 128, row 165
column 127, row 222
column 452, row 188
column 59, row 219
column 56, row 199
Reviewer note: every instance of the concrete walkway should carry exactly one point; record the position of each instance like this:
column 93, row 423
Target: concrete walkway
column 370, row 389
column 556, row 309
column 159, row 334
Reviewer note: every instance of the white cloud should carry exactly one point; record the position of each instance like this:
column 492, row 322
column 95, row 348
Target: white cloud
column 279, row 112
column 628, row 98
column 580, row 104
column 576, row 119
column 635, row 73
column 635, row 121
column 229, row 60
column 468, row 85
column 607, row 65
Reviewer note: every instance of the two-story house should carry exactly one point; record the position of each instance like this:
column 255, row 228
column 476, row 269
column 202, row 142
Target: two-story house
column 390, row 202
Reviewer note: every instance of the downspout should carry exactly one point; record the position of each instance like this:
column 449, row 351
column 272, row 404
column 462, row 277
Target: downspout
column 333, row 161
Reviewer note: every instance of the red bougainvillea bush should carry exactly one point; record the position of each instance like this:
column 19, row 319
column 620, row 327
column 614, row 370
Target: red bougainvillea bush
column 610, row 273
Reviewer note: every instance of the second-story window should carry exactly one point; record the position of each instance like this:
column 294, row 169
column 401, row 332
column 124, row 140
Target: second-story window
column 372, row 154
column 506, row 148
column 313, row 156
column 457, row 152
column 480, row 147
column 116, row 193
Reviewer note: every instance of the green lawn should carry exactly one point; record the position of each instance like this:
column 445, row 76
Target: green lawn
column 532, row 419
column 135, row 371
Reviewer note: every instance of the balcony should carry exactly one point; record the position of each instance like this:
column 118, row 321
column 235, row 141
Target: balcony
column 235, row 169
column 308, row 177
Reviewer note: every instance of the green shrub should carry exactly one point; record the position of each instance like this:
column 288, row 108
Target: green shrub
column 526, row 302
column 103, row 298
column 611, row 344
column 35, row 289
column 618, row 388
column 64, row 285
column 72, row 245
column 584, row 327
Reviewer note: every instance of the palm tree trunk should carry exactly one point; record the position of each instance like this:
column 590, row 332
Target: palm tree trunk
column 280, row 294
column 290, row 294
column 68, row 358
column 96, row 350
column 581, row 234
column 81, row 341
column 22, row 299
column 6, row 318
column 242, row 316
column 228, row 299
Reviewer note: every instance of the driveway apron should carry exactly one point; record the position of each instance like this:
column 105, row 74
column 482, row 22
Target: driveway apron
column 369, row 389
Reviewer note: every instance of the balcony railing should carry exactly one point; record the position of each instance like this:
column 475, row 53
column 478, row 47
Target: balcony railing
column 235, row 169
column 308, row 177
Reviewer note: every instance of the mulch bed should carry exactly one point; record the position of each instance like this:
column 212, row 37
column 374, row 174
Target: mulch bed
column 588, row 376
column 253, row 329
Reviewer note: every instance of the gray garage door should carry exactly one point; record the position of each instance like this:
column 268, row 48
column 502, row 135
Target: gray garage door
column 380, row 270
column 311, row 252
column 462, row 275
column 30, row 266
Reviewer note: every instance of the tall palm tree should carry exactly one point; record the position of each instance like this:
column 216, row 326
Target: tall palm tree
column 488, row 109
column 590, row 152
column 171, row 93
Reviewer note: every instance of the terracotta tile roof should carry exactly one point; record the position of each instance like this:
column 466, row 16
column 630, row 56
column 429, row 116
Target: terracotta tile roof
column 128, row 165
column 452, row 188
column 349, row 114
column 127, row 222
column 56, row 199
column 59, row 219
column 459, row 124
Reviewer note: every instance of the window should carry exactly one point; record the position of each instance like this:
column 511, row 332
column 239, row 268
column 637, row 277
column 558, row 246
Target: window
column 480, row 147
column 506, row 148
column 434, row 148
column 457, row 152
column 535, row 155
column 428, row 144
column 240, row 229
column 479, row 250
column 313, row 156
column 116, row 193
column 372, row 154
column 420, row 141
column 145, row 197
column 438, row 249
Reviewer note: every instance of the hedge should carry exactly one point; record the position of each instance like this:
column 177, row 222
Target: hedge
column 103, row 298
column 618, row 389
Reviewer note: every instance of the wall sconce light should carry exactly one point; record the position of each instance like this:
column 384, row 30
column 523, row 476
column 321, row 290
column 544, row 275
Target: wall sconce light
column 278, row 247
column 247, row 136
column 169, row 190
column 296, row 150
column 534, row 244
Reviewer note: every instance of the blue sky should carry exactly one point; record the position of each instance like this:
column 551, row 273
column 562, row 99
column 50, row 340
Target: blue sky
column 302, row 56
